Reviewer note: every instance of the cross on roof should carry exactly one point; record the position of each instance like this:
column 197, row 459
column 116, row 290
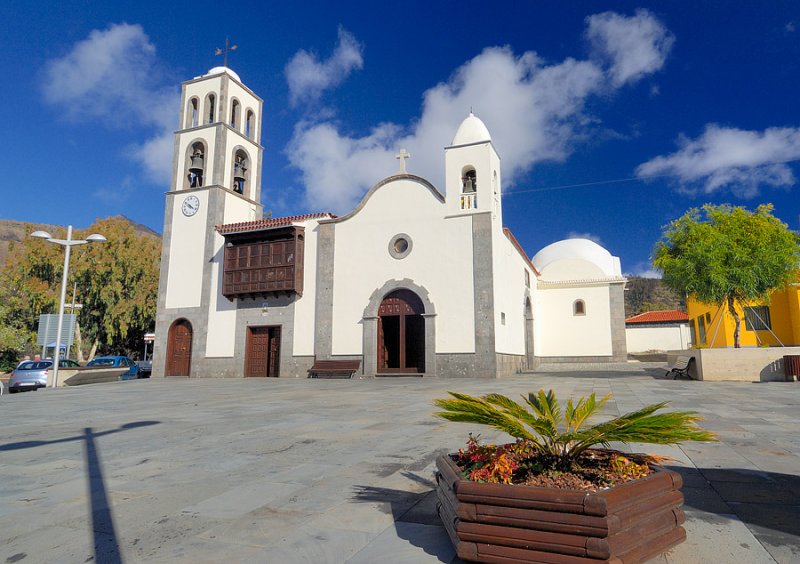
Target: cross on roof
column 402, row 156
column 228, row 48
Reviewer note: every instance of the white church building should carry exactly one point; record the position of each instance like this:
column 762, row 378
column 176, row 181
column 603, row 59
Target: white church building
column 416, row 280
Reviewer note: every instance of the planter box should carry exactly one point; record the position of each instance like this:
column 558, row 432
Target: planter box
column 509, row 523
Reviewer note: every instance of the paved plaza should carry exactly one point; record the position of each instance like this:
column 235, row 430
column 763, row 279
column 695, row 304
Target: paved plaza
column 280, row 470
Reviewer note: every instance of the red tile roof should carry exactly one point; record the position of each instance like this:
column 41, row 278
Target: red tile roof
column 258, row 225
column 663, row 316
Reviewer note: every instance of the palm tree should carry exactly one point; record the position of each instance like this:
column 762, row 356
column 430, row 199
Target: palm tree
column 564, row 437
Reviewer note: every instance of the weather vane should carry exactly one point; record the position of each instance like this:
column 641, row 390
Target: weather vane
column 228, row 48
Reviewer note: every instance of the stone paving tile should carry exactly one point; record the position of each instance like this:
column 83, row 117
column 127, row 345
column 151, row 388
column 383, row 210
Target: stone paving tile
column 315, row 545
column 329, row 471
column 716, row 538
column 241, row 499
column 776, row 528
column 407, row 542
column 260, row 527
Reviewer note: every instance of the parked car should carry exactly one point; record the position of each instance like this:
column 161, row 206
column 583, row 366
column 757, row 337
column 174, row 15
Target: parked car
column 145, row 368
column 33, row 374
column 117, row 361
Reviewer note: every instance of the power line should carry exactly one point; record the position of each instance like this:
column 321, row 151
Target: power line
column 620, row 180
column 584, row 184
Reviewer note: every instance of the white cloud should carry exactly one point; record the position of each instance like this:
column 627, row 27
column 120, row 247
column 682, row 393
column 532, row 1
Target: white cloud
column 308, row 78
column 726, row 157
column 534, row 111
column 117, row 195
column 113, row 76
column 644, row 270
column 634, row 46
column 590, row 236
column 156, row 155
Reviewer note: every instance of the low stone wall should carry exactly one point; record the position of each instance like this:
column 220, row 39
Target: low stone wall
column 747, row 364
column 90, row 375
column 510, row 364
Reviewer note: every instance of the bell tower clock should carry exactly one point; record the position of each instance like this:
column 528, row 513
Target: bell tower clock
column 216, row 179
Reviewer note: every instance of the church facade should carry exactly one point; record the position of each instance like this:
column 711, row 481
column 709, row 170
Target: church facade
column 415, row 280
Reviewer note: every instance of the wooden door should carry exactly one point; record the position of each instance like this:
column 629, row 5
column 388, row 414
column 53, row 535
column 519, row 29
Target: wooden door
column 401, row 333
column 263, row 354
column 179, row 349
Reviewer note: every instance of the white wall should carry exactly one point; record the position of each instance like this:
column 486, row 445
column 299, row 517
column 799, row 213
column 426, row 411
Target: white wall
column 509, row 297
column 305, row 306
column 663, row 338
column 560, row 333
column 221, row 337
column 440, row 261
column 185, row 274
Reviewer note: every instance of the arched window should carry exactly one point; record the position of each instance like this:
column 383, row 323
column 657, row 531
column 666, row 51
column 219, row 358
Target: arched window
column 211, row 108
column 579, row 307
column 195, row 165
column 235, row 114
column 249, row 126
column 469, row 180
column 192, row 113
column 241, row 164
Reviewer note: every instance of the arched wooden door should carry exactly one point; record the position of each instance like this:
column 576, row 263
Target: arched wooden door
column 179, row 349
column 401, row 334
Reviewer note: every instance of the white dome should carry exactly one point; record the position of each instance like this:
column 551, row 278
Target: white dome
column 471, row 130
column 578, row 250
column 217, row 70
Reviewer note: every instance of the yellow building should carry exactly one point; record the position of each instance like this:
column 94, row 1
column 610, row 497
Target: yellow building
column 763, row 324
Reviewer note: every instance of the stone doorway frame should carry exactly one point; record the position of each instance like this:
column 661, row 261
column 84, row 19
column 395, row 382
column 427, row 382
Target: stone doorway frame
column 370, row 326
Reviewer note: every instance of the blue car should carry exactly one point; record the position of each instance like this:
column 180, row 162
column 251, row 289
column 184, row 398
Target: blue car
column 113, row 361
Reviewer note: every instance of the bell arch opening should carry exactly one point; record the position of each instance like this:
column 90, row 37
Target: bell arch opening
column 195, row 165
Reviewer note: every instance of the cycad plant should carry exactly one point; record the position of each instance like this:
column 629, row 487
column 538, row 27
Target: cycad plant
column 562, row 438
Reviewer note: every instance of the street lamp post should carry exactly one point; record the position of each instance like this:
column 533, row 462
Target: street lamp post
column 67, row 243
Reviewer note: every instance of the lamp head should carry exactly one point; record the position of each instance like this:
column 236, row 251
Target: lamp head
column 96, row 238
column 41, row 235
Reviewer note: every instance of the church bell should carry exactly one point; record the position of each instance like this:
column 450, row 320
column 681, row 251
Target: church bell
column 196, row 166
column 239, row 171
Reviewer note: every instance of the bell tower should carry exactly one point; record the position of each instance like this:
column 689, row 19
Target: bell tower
column 216, row 179
column 472, row 172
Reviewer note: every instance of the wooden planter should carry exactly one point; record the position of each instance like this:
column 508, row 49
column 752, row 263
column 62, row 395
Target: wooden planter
column 509, row 523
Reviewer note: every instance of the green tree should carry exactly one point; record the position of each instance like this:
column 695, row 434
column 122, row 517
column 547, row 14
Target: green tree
column 725, row 255
column 118, row 285
column 116, row 281
column 27, row 279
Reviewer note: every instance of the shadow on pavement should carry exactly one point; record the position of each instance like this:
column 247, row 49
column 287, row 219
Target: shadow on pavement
column 409, row 509
column 32, row 444
column 106, row 546
column 767, row 502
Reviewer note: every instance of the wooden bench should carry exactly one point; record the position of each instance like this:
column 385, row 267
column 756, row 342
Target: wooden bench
column 681, row 367
column 334, row 368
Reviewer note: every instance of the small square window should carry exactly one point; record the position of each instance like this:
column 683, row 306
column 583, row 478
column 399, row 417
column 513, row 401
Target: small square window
column 502, row 318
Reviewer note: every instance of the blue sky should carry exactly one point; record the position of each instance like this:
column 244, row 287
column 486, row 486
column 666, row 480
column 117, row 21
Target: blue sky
column 611, row 119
